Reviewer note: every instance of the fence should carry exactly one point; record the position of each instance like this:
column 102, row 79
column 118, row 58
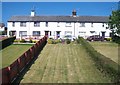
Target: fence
column 10, row 73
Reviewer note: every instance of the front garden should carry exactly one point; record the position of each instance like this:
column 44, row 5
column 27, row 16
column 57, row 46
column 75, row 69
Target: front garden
column 12, row 52
column 64, row 63
column 109, row 49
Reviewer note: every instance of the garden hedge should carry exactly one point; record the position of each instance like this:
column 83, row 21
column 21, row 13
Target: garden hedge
column 7, row 41
column 104, row 64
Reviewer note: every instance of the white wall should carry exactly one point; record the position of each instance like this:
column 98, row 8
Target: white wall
column 2, row 28
column 62, row 27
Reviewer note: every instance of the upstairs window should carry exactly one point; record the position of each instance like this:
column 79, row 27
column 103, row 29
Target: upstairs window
column 58, row 24
column 46, row 24
column 92, row 32
column 103, row 25
column 91, row 24
column 23, row 24
column 68, row 32
column 13, row 24
column 36, row 24
column 82, row 24
column 68, row 24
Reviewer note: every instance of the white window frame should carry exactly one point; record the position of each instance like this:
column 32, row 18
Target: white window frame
column 22, row 24
column 13, row 24
column 82, row 24
column 36, row 24
column 68, row 24
column 46, row 24
column 58, row 24
column 36, row 34
column 91, row 24
column 22, row 33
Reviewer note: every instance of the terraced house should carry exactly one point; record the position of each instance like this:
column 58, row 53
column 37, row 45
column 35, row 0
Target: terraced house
column 58, row 26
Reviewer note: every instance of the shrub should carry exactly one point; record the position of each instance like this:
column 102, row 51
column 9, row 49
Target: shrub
column 108, row 39
column 16, row 40
column 34, row 41
column 22, row 41
column 50, row 41
column 57, row 41
column 30, row 41
column 116, row 39
column 7, row 41
column 68, row 41
column 103, row 63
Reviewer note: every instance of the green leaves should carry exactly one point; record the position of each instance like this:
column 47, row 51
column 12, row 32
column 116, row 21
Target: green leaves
column 114, row 22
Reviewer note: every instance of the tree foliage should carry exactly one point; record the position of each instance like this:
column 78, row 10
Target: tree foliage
column 114, row 22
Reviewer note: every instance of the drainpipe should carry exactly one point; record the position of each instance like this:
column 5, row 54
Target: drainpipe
column 74, row 29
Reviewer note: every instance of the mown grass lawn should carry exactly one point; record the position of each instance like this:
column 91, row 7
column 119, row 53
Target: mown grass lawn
column 108, row 49
column 12, row 52
column 62, row 63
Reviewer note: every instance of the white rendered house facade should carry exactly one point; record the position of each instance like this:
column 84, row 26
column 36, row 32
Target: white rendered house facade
column 58, row 26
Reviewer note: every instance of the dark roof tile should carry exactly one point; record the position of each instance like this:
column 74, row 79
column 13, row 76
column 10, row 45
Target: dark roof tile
column 60, row 18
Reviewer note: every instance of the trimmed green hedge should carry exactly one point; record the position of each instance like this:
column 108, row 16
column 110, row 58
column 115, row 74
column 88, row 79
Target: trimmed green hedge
column 6, row 42
column 104, row 64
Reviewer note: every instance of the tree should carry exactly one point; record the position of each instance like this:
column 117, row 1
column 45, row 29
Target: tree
column 114, row 22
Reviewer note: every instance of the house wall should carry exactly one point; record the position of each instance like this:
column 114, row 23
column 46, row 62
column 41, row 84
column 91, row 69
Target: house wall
column 2, row 28
column 72, row 28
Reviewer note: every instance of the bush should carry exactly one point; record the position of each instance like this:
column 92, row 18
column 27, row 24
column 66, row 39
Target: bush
column 16, row 40
column 108, row 39
column 103, row 63
column 68, row 41
column 22, row 41
column 30, row 41
column 7, row 41
column 116, row 39
column 34, row 41
column 50, row 41
column 57, row 41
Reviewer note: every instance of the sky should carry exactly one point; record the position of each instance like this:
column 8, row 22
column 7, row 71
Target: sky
column 57, row 8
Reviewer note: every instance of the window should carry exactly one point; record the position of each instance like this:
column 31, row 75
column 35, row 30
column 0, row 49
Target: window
column 103, row 25
column 13, row 24
column 36, row 33
column 82, row 32
column 92, row 32
column 68, row 32
column 23, row 24
column 22, row 33
column 58, row 24
column 91, row 24
column 82, row 24
column 36, row 24
column 46, row 24
column 68, row 24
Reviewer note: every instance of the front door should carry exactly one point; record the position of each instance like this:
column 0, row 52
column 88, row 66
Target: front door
column 12, row 33
column 103, row 34
column 46, row 33
column 57, row 34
